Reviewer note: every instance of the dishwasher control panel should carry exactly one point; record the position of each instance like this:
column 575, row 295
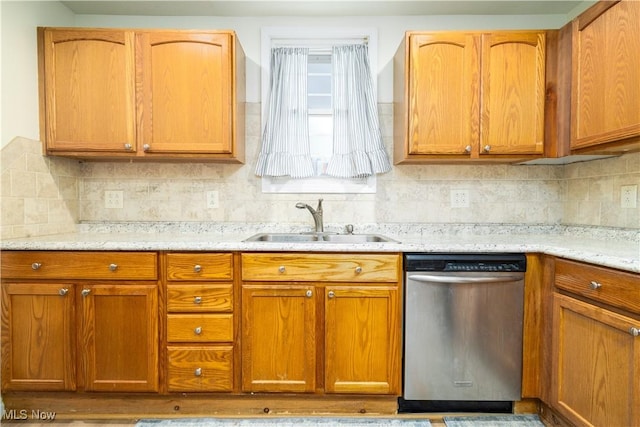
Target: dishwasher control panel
column 498, row 262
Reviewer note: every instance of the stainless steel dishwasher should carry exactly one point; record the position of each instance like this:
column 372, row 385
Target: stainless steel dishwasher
column 463, row 321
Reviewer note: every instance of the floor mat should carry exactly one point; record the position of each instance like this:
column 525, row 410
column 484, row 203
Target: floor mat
column 285, row 422
column 494, row 421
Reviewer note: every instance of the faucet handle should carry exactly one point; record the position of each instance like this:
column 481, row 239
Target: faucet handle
column 349, row 228
column 319, row 208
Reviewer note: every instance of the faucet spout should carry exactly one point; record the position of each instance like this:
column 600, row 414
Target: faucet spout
column 315, row 213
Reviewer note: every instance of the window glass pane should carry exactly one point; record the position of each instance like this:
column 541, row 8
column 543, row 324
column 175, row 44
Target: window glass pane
column 319, row 102
column 319, row 84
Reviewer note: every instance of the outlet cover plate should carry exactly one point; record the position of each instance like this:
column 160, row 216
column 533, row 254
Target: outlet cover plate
column 213, row 201
column 460, row 198
column 113, row 199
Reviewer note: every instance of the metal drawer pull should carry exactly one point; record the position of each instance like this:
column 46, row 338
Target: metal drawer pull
column 309, row 293
column 146, row 147
column 281, row 269
column 63, row 291
column 331, row 294
column 634, row 331
column 198, row 330
column 197, row 268
column 36, row 265
column 358, row 270
column 595, row 285
column 487, row 148
column 467, row 148
column 197, row 300
column 85, row 292
column 197, row 372
column 113, row 267
column 127, row 147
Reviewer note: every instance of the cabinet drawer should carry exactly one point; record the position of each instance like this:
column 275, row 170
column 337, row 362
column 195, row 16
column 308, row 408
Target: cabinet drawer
column 79, row 265
column 200, row 368
column 199, row 266
column 199, row 298
column 320, row 267
column 199, row 327
column 609, row 286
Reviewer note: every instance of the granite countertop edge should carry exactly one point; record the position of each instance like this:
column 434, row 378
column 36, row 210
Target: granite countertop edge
column 615, row 253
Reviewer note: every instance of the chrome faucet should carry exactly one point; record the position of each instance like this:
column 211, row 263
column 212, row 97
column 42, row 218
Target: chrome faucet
column 316, row 213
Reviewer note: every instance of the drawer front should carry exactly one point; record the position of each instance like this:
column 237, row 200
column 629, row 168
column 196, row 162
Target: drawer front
column 200, row 368
column 620, row 289
column 321, row 267
column 199, row 327
column 79, row 265
column 199, row 298
column 199, row 266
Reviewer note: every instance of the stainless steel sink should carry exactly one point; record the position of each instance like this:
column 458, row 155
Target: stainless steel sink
column 319, row 238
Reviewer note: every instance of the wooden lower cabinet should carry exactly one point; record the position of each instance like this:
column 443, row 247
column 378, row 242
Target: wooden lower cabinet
column 321, row 323
column 279, row 338
column 119, row 337
column 79, row 321
column 38, row 337
column 596, row 360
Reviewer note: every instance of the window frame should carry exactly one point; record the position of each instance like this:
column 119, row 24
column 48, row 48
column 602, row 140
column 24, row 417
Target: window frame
column 318, row 38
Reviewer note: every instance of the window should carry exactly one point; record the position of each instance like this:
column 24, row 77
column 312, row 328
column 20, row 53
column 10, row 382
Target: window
column 319, row 104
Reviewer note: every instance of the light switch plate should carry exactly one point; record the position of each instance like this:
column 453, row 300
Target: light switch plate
column 629, row 196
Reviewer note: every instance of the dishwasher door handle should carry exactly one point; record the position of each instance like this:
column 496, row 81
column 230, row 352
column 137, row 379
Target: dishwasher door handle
column 462, row 279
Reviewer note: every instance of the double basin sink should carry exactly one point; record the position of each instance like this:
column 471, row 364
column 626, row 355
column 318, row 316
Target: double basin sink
column 319, row 238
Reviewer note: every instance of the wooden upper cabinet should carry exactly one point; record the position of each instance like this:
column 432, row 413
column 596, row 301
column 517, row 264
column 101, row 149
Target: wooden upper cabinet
column 605, row 107
column 465, row 96
column 142, row 94
column 513, row 93
column 443, row 93
column 89, row 90
column 185, row 102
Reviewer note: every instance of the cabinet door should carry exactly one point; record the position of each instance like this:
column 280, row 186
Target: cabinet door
column 362, row 349
column 185, row 85
column 605, row 92
column 443, row 94
column 513, row 93
column 89, row 86
column 596, row 362
column 119, row 338
column 278, row 339
column 38, row 337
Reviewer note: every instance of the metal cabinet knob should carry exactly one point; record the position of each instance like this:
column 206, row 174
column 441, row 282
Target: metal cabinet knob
column 197, row 300
column 197, row 372
column 63, row 291
column 85, row 292
column 487, row 148
column 331, row 294
column 595, row 285
column 146, row 147
column 128, row 147
column 36, row 265
column 197, row 268
column 281, row 269
column 198, row 330
column 358, row 270
column 309, row 293
column 634, row 331
column 467, row 148
column 113, row 267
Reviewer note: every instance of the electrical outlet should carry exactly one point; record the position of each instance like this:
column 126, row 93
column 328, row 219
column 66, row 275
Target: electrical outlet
column 460, row 198
column 212, row 200
column 113, row 199
column 629, row 196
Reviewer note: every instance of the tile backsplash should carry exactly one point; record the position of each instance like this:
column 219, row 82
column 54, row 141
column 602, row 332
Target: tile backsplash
column 49, row 195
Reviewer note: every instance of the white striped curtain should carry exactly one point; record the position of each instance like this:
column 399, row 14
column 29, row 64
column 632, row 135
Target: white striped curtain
column 285, row 143
column 358, row 150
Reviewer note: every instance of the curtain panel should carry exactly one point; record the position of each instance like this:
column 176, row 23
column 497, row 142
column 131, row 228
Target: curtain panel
column 358, row 150
column 285, row 142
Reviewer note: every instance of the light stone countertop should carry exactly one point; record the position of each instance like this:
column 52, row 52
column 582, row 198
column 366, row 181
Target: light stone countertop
column 606, row 247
